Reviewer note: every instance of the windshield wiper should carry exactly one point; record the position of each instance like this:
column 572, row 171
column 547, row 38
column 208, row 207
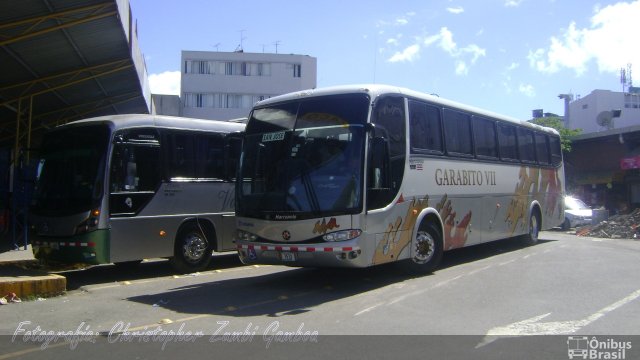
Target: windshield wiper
column 310, row 192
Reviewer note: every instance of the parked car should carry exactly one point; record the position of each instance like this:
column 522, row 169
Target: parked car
column 576, row 213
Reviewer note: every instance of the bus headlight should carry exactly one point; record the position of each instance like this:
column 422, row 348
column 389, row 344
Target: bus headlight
column 90, row 223
column 246, row 236
column 342, row 235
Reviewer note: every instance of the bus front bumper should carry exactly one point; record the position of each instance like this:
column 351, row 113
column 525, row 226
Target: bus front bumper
column 89, row 248
column 346, row 254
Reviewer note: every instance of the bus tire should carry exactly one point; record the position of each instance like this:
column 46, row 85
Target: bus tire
column 531, row 238
column 192, row 250
column 426, row 250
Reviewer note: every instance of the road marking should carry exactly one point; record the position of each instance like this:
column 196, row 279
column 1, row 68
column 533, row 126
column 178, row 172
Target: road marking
column 532, row 326
column 473, row 272
column 368, row 309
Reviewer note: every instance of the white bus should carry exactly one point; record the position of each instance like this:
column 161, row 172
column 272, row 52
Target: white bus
column 356, row 176
column 119, row 189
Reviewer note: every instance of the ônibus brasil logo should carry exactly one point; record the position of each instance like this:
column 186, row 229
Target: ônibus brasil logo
column 583, row 347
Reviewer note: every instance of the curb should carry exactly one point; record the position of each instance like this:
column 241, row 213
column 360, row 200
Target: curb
column 33, row 285
column 18, row 281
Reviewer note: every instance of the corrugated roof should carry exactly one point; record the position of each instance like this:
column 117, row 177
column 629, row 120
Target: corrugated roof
column 63, row 60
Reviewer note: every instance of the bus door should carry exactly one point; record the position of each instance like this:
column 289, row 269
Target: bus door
column 134, row 179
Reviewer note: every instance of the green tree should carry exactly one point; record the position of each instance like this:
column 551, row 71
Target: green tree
column 557, row 123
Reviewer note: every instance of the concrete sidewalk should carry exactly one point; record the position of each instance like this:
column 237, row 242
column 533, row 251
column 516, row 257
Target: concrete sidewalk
column 17, row 278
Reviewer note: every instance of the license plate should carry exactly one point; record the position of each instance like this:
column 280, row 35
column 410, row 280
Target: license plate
column 287, row 256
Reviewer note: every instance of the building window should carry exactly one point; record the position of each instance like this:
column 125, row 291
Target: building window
column 297, row 70
column 202, row 67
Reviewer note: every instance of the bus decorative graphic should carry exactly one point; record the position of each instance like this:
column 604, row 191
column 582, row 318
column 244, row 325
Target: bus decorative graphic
column 395, row 240
column 536, row 182
column 551, row 185
column 324, row 226
column 455, row 236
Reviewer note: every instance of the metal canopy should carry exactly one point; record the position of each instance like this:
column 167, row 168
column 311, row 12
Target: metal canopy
column 63, row 60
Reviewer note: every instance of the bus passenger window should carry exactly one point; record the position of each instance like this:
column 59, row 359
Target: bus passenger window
column 457, row 133
column 425, row 128
column 484, row 131
column 542, row 149
column 181, row 155
column 507, row 142
column 526, row 145
column 210, row 157
column 556, row 152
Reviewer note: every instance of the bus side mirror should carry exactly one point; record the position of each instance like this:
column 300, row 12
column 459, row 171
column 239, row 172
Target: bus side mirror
column 379, row 177
column 379, row 192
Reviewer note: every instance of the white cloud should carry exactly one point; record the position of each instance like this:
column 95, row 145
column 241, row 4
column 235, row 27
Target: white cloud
column 166, row 83
column 513, row 66
column 475, row 51
column 527, row 90
column 402, row 21
column 608, row 42
column 409, row 54
column 456, row 10
column 444, row 40
column 461, row 68
column 512, row 3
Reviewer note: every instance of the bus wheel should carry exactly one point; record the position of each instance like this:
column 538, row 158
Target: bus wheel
column 534, row 229
column 426, row 251
column 192, row 251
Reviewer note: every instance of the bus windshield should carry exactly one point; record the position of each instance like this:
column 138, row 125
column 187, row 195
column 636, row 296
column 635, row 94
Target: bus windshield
column 304, row 159
column 71, row 170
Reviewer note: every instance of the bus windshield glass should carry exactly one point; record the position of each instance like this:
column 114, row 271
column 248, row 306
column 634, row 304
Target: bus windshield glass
column 304, row 158
column 70, row 171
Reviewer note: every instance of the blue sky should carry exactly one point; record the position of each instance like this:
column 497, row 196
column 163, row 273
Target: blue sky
column 507, row 56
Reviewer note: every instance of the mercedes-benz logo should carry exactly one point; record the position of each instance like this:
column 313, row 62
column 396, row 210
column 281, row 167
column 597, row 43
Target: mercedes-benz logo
column 286, row 235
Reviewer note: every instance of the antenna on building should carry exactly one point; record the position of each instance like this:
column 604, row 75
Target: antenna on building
column 625, row 78
column 217, row 45
column 240, row 47
column 276, row 43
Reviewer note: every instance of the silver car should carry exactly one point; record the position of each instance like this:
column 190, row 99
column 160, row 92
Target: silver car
column 576, row 213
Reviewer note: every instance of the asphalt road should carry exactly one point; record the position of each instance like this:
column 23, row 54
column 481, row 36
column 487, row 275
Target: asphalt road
column 563, row 286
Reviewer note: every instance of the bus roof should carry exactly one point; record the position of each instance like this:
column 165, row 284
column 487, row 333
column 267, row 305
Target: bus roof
column 375, row 90
column 139, row 120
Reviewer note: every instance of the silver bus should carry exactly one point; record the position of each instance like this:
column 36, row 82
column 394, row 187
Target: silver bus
column 119, row 189
column 355, row 176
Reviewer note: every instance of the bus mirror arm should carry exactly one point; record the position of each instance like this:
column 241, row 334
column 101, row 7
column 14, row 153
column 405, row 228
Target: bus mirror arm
column 380, row 160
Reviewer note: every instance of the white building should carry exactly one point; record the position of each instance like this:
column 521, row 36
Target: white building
column 225, row 85
column 604, row 110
